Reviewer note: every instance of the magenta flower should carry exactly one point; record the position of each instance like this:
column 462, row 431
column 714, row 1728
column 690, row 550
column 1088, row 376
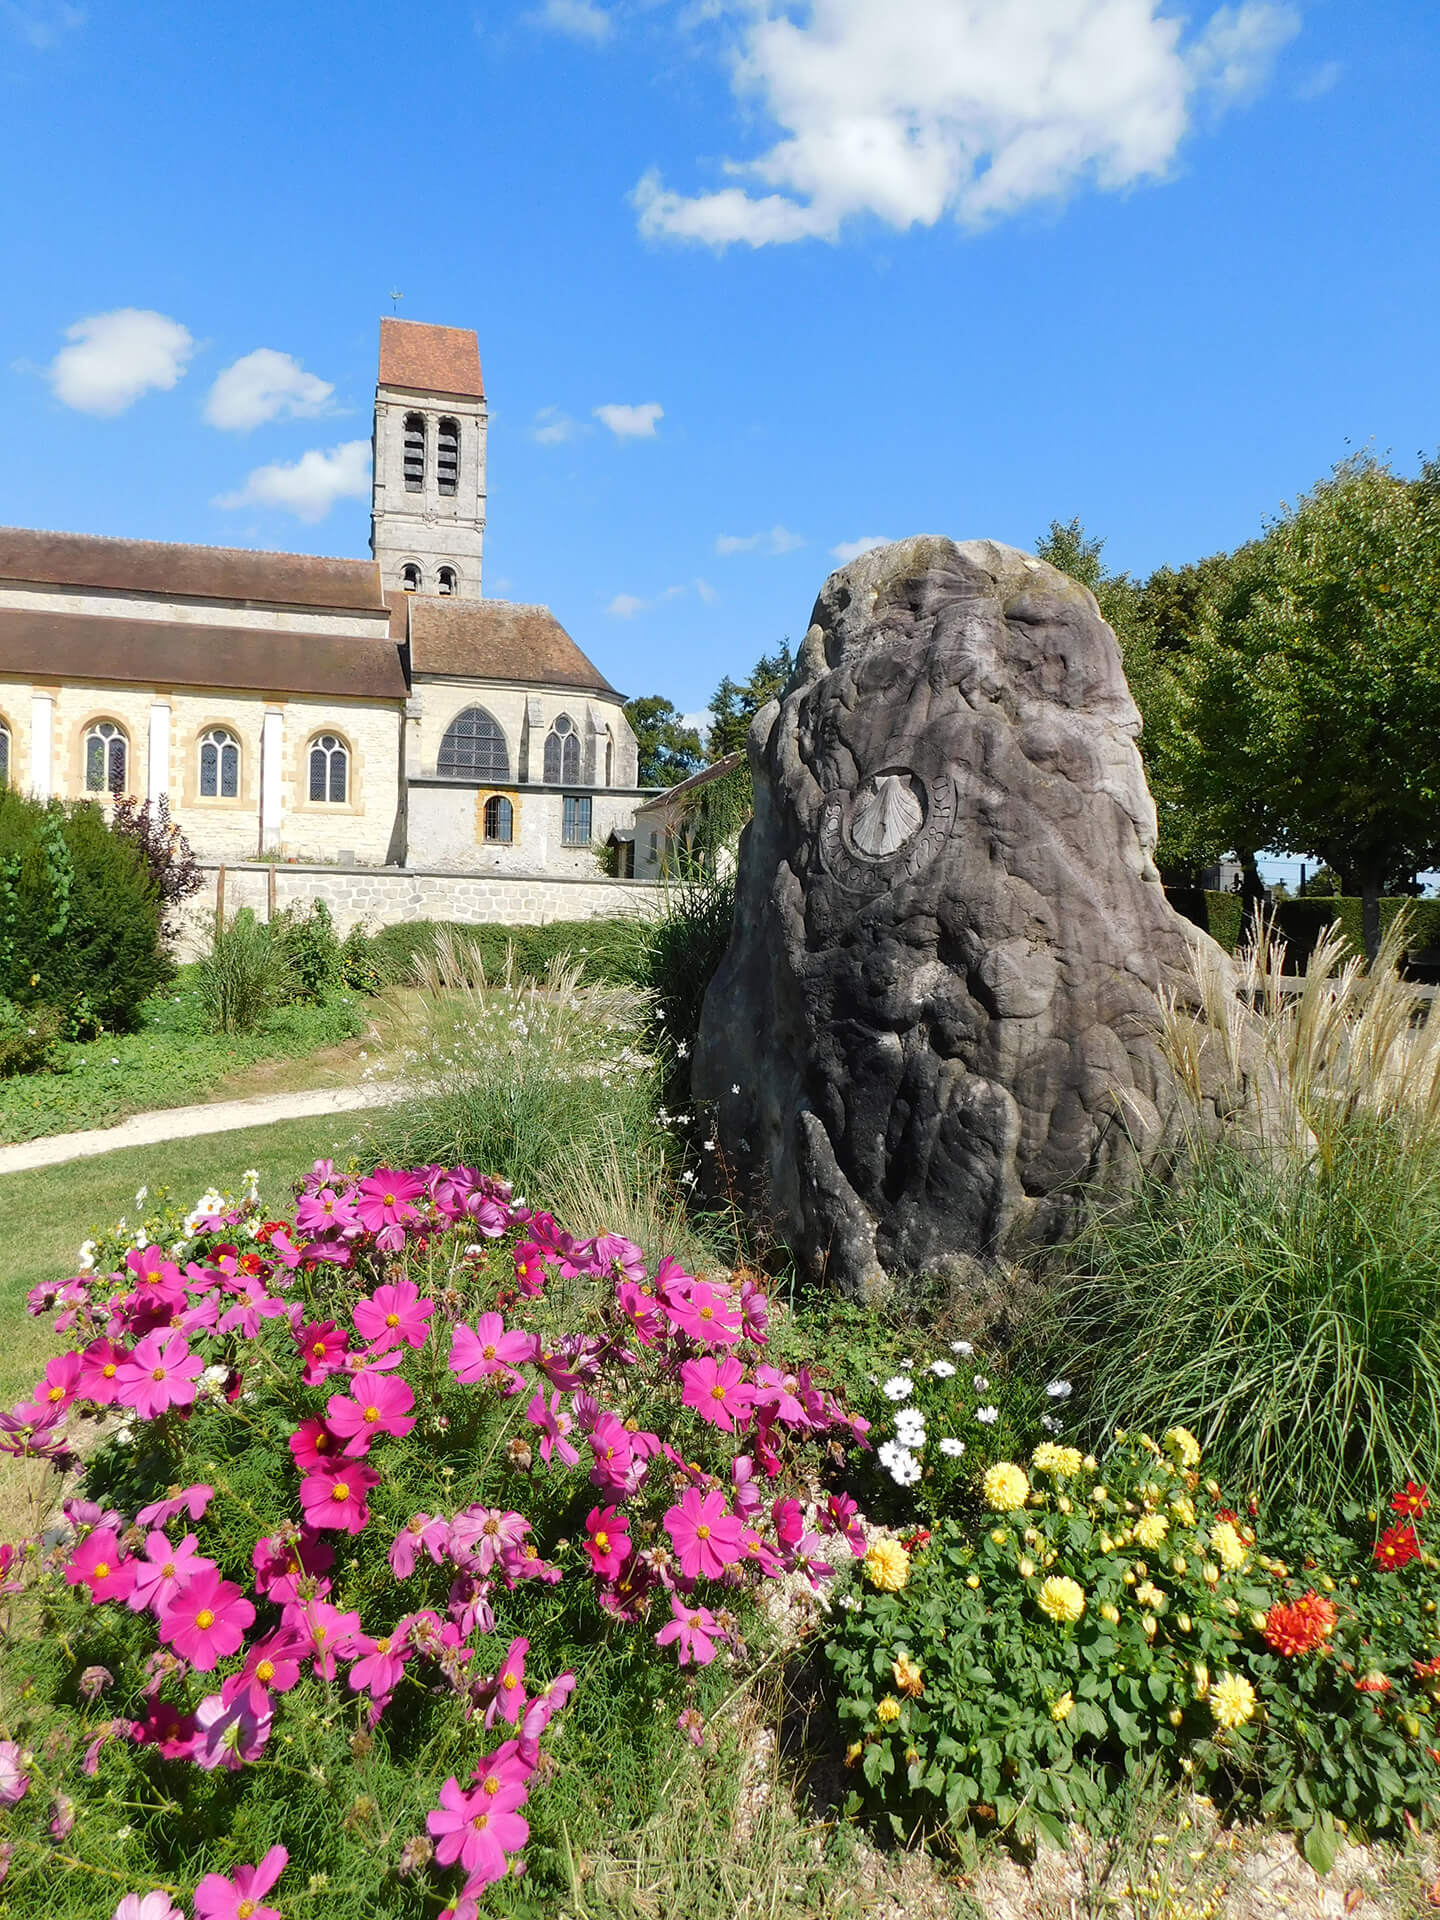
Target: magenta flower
column 554, row 1423
column 779, row 1392
column 63, row 1381
column 192, row 1500
column 706, row 1537
column 147, row 1906
column 419, row 1532
column 538, row 1715
column 716, row 1390
column 530, row 1269
column 489, row 1349
column 163, row 1571
column 507, row 1690
column 380, row 1665
column 609, row 1543
column 376, row 1404
column 842, row 1516
column 325, row 1212
column 393, row 1313
column 642, row 1310
column 789, row 1522
column 754, row 1313
column 170, row 1732
column 99, row 1564
column 384, row 1199
column 237, row 1897
column 160, row 1373
column 756, row 1551
column 14, row 1781
column 694, row 1627
column 256, row 1306
column 702, row 1312
column 206, row 1620
column 332, row 1634
column 468, row 1827
column 322, row 1347
column 230, row 1733
column 335, row 1496
column 272, row 1665
column 481, row 1535
column 611, row 1443
column 314, row 1445
column 281, row 1565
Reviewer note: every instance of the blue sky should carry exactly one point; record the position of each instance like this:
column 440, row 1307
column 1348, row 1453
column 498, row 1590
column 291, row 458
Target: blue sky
column 883, row 266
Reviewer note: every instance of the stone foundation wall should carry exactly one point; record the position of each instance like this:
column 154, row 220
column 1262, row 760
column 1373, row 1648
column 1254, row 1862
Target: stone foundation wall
column 380, row 896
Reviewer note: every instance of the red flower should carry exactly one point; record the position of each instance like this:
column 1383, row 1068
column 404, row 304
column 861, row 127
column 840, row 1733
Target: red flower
column 1373, row 1683
column 1397, row 1545
column 1427, row 1669
column 1301, row 1626
column 1412, row 1502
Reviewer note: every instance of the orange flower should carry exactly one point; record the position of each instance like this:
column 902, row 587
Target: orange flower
column 1373, row 1683
column 1301, row 1626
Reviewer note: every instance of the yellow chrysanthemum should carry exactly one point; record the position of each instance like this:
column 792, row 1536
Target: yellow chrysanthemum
column 1228, row 1544
column 908, row 1675
column 1062, row 1708
column 887, row 1711
column 1149, row 1596
column 1184, row 1447
column 1061, row 1599
column 887, row 1566
column 1151, row 1529
column 1065, row 1461
column 1232, row 1700
column 1007, row 1487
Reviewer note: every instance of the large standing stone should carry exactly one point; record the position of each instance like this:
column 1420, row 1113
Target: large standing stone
column 936, row 1024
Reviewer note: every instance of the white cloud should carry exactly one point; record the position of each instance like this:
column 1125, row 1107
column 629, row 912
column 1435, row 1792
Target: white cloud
column 579, row 19
column 260, row 387
column 632, row 423
column 41, row 27
column 778, row 540
column 909, row 110
column 849, row 550
column 1320, row 81
column 706, row 592
column 310, row 486
column 552, row 428
column 118, row 356
column 625, row 606
column 702, row 722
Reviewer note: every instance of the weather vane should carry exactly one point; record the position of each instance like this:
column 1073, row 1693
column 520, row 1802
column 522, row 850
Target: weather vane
column 395, row 297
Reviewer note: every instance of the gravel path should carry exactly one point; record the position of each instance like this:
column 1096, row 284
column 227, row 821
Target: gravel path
column 178, row 1123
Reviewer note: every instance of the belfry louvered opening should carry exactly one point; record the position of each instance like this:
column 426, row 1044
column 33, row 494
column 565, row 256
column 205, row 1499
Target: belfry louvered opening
column 414, row 453
column 447, row 457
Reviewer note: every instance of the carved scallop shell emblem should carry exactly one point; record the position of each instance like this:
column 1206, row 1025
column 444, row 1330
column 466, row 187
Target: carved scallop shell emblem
column 887, row 813
column 888, row 829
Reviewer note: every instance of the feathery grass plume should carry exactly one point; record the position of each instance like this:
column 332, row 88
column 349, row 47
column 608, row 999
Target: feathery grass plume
column 245, row 975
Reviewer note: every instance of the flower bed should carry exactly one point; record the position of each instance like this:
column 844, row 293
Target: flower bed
column 408, row 1510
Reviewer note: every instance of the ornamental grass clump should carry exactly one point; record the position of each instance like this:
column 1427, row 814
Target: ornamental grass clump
column 1282, row 1295
column 1103, row 1624
column 419, row 1535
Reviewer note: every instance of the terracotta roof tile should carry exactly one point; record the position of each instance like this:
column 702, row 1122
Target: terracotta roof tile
column 34, row 556
column 496, row 640
column 166, row 653
column 430, row 359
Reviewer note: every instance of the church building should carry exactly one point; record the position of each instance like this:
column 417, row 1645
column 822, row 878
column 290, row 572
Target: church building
column 378, row 712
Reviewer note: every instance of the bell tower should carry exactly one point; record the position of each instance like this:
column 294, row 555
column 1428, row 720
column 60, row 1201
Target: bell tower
column 427, row 515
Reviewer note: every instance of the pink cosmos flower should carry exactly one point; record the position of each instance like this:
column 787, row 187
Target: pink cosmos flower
column 14, row 1781
column 614, row 1254
column 507, row 1690
column 554, row 1423
column 842, row 1516
column 192, row 1500
column 419, row 1532
column 744, row 1495
column 393, row 1313
column 375, row 1404
column 381, row 1663
column 716, row 1390
column 780, row 1391
column 160, row 1373
column 230, row 1733
column 612, row 1444
column 159, row 1576
column 272, row 1665
column 147, row 1906
column 642, row 1310
column 237, row 1897
column 756, row 1551
column 325, row 1212
column 502, row 1778
column 706, row 1537
column 538, row 1715
column 703, row 1312
column 524, row 1563
column 754, row 1313
column 332, row 1635
column 694, row 1627
column 100, row 1364
column 531, row 1272
column 384, row 1198
column 469, row 1828
column 807, row 1559
column 282, row 1564
column 99, row 1564
column 313, row 1444
column 206, row 1620
column 488, row 1349
column 480, row 1535
column 788, row 1521
column 256, row 1306
column 335, row 1496
column 62, row 1381
column 608, row 1544
column 322, row 1346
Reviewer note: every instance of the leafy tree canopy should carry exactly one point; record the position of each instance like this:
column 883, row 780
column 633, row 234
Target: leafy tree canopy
column 669, row 750
column 736, row 702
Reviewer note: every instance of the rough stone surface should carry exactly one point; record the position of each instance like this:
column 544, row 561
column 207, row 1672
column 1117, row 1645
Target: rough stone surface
column 936, row 1025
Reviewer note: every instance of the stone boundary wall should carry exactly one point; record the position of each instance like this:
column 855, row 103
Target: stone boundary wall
column 381, row 896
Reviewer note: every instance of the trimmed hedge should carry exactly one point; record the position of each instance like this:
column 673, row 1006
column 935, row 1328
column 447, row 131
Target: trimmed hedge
column 1301, row 924
column 608, row 950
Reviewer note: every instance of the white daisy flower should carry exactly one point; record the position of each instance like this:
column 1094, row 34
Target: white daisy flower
column 1051, row 1424
column 987, row 1416
column 905, row 1470
column 982, row 1385
column 941, row 1369
column 962, row 1347
column 1059, row 1389
column 897, row 1387
column 952, row 1448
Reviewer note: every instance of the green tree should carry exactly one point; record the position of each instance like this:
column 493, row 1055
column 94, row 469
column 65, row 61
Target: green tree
column 669, row 750
column 736, row 702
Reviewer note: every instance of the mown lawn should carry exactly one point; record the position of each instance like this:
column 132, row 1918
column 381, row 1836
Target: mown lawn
column 170, row 1061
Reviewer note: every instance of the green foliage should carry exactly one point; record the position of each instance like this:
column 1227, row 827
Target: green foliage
column 1222, row 915
column 669, row 750
column 604, row 950
column 735, row 703
column 360, row 972
column 682, row 950
column 1285, row 1308
column 1025, row 1672
column 246, row 974
column 311, row 946
column 27, row 1037
column 79, row 913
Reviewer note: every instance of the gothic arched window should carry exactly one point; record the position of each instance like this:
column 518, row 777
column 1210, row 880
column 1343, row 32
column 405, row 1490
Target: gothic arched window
column 219, row 765
column 107, row 758
column 414, row 453
column 499, row 818
column 447, row 456
column 447, row 580
column 474, row 747
column 562, row 753
column 329, row 768
column 410, row 577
